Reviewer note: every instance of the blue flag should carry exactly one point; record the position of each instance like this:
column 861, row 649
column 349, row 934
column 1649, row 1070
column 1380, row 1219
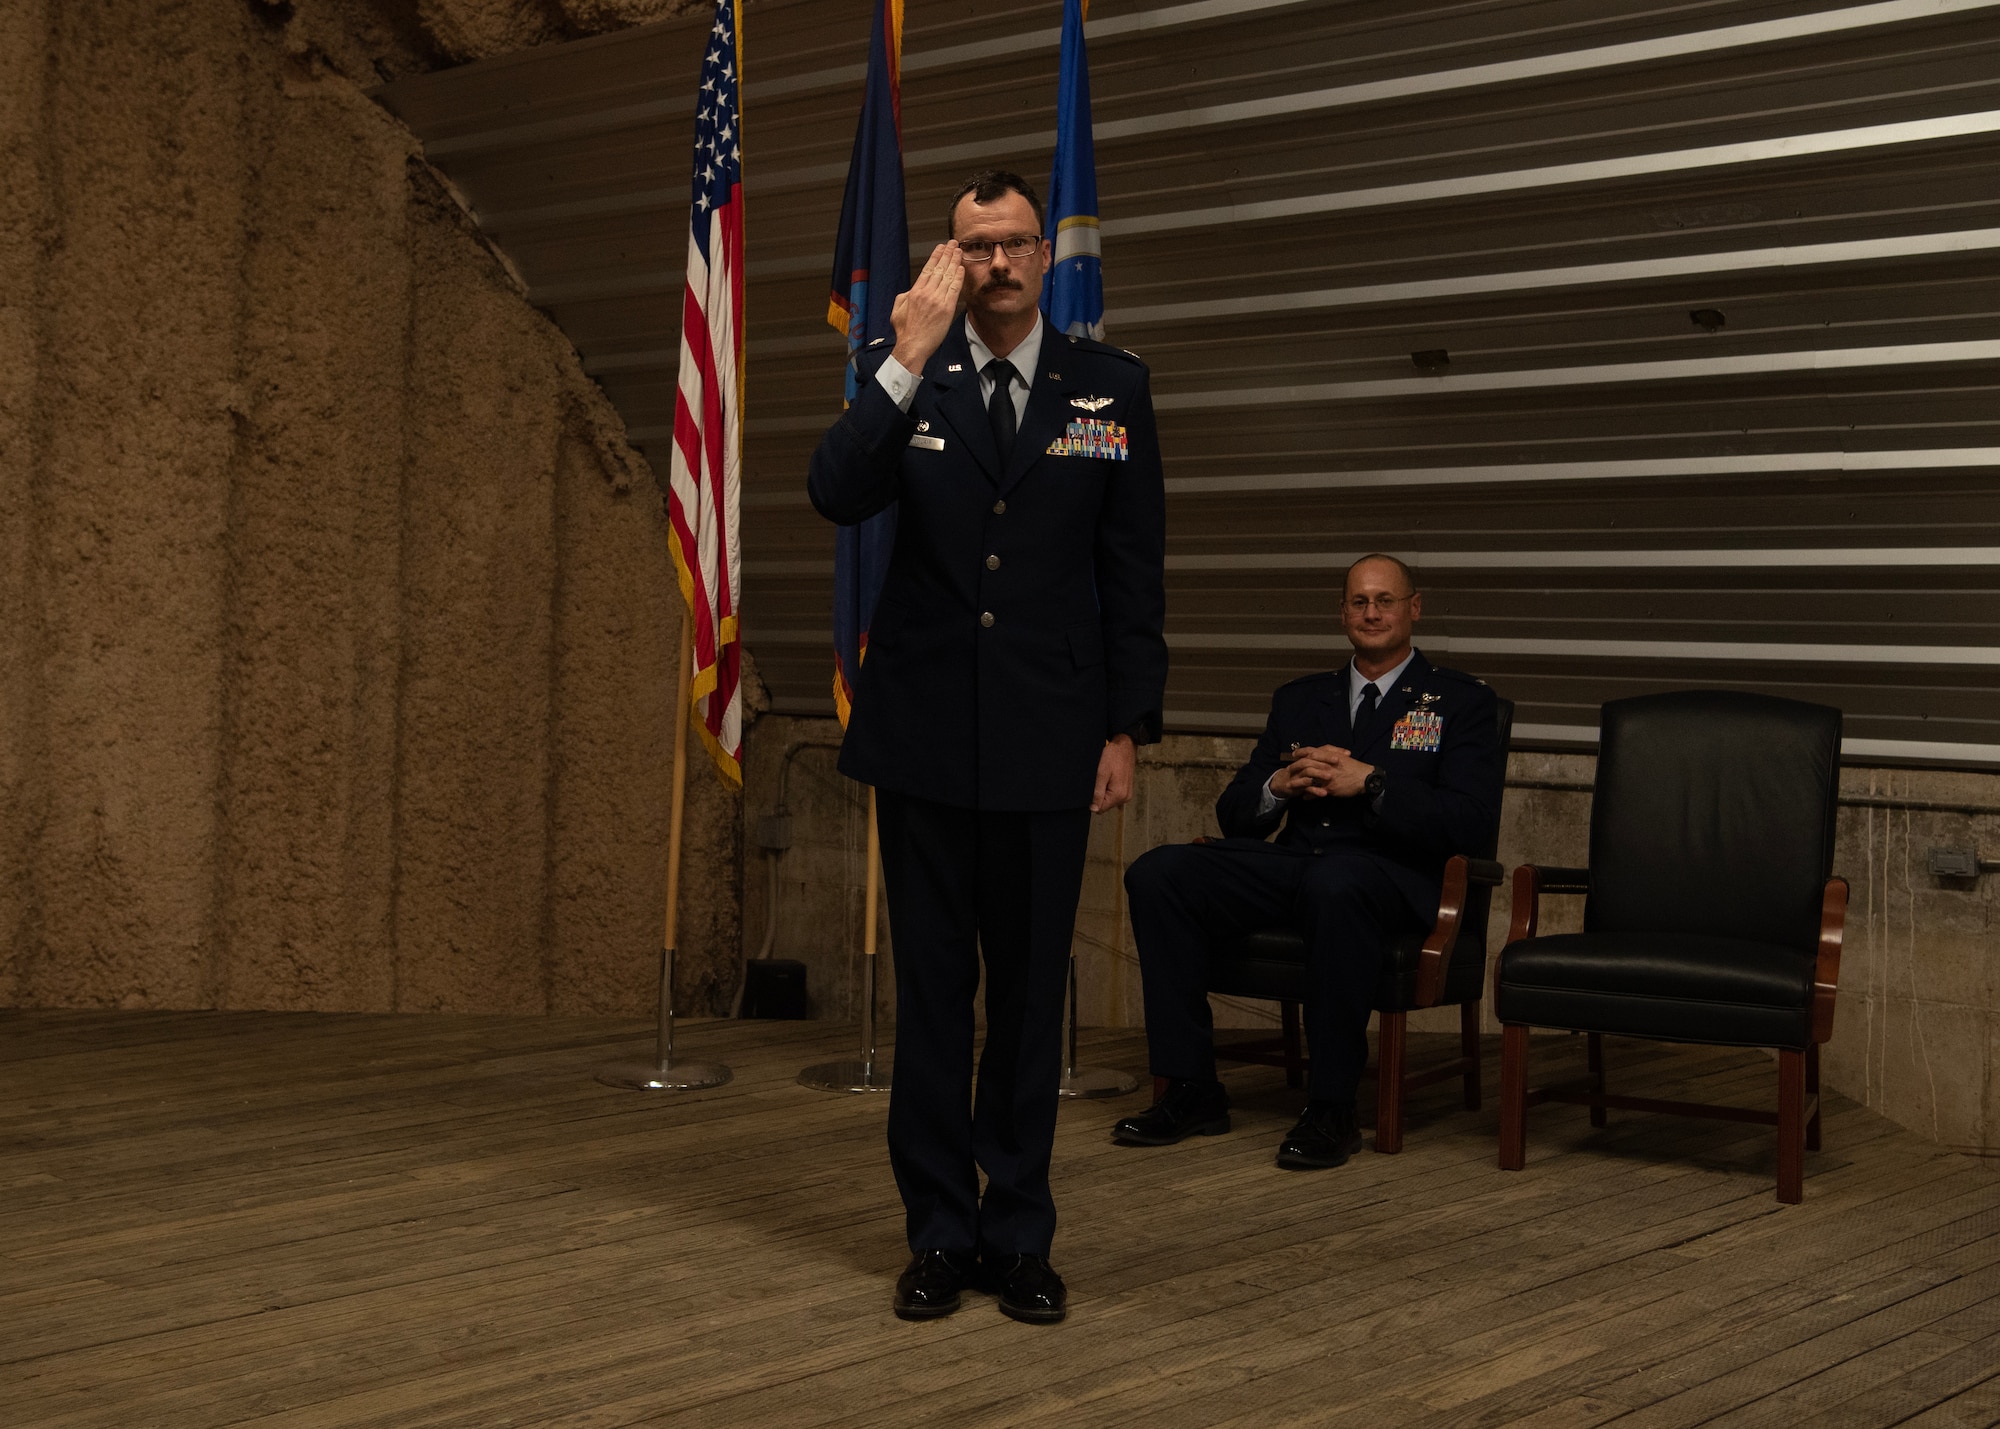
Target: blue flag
column 1073, row 295
column 871, row 266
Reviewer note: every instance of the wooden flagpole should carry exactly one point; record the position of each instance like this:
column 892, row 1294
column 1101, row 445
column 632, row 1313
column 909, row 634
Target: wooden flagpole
column 869, row 943
column 1118, row 888
column 1097, row 1081
column 663, row 1073
column 862, row 1075
column 677, row 807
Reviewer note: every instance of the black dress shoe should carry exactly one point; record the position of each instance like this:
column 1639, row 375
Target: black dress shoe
column 930, row 1287
column 1028, row 1287
column 1188, row 1109
column 1324, row 1136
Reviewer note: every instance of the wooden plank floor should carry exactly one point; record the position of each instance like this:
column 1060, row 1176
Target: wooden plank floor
column 218, row 1219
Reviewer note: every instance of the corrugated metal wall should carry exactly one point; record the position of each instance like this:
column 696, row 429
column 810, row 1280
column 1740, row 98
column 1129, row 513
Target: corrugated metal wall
column 1602, row 495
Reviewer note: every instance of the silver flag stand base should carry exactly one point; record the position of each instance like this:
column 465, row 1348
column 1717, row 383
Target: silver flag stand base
column 866, row 1074
column 846, row 1077
column 663, row 1073
column 649, row 1077
column 1097, row 1082
column 1088, row 1081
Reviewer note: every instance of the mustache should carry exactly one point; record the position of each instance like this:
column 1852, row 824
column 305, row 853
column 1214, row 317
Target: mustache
column 992, row 284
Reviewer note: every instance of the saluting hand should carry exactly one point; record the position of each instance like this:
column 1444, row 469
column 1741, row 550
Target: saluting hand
column 924, row 315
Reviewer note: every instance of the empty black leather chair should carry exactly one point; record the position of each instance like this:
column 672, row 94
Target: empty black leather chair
column 1444, row 967
column 1710, row 915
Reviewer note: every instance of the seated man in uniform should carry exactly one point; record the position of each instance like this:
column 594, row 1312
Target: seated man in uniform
column 1378, row 772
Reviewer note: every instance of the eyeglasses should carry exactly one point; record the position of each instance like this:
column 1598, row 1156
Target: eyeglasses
column 1385, row 603
column 980, row 250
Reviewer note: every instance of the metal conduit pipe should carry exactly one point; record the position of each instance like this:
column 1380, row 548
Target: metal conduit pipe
column 774, row 836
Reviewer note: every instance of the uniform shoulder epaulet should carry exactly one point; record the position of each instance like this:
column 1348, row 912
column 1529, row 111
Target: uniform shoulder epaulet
column 868, row 351
column 1446, row 672
column 1302, row 681
column 1091, row 344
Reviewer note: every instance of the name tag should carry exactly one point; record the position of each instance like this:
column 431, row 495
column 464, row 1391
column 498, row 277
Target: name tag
column 1420, row 730
column 929, row 444
column 1091, row 436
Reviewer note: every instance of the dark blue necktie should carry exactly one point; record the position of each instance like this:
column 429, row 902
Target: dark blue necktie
column 1364, row 715
column 1000, row 406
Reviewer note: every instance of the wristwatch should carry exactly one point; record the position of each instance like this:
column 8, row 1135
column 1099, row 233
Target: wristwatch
column 1374, row 784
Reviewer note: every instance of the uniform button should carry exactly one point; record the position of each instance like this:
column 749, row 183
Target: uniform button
column 992, row 563
column 986, row 618
column 999, row 508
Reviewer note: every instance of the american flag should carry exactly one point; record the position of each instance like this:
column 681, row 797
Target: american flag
column 705, row 486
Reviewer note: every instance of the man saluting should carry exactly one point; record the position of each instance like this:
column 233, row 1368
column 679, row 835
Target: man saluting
column 1014, row 660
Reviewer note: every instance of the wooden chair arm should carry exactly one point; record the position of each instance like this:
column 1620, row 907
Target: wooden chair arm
column 1826, row 968
column 1435, row 958
column 1531, row 881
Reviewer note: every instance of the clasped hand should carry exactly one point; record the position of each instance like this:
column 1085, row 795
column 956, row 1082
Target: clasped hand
column 1320, row 771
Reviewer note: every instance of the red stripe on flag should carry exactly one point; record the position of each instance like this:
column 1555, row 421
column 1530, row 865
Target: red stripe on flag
column 708, row 404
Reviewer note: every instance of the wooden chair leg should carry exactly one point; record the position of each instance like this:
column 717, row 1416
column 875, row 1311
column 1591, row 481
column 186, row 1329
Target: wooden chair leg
column 1595, row 1051
column 1812, row 1090
column 1791, row 1126
column 1295, row 1060
column 1513, row 1096
column 1468, row 1048
column 1393, row 1038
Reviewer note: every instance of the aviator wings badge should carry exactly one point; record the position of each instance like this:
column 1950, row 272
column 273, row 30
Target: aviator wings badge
column 1090, row 404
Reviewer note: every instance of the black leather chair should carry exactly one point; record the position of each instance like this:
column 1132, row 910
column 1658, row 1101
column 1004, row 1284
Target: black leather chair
column 1710, row 915
column 1443, row 967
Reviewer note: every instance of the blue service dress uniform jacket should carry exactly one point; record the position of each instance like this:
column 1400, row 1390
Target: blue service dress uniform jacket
column 1019, row 627
column 1436, row 739
column 1019, row 624
column 1349, row 877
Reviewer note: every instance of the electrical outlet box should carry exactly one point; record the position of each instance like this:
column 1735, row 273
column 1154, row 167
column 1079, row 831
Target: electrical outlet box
column 774, row 832
column 1953, row 863
column 775, row 987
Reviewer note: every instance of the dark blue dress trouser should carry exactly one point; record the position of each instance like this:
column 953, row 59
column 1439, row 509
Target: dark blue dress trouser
column 1187, row 898
column 963, row 884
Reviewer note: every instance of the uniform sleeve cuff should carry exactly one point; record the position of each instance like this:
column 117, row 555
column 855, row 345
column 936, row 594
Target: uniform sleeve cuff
column 898, row 381
column 1145, row 729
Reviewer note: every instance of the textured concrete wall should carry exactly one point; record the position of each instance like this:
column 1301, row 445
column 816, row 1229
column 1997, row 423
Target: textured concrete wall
column 339, row 619
column 478, row 29
column 1917, row 1033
